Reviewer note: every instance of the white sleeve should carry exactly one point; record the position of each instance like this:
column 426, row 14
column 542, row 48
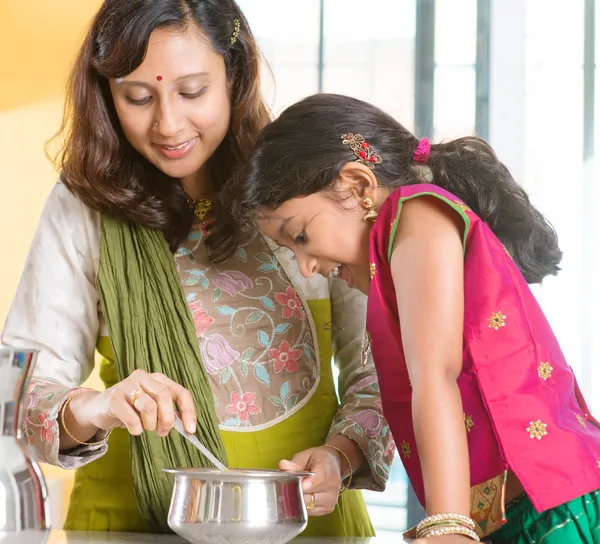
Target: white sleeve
column 56, row 307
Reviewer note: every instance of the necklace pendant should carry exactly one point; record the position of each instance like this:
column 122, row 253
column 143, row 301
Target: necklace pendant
column 200, row 207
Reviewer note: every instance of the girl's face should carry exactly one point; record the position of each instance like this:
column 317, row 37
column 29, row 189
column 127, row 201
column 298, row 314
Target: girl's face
column 174, row 108
column 327, row 232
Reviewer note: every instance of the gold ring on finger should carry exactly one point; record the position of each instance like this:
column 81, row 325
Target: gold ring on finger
column 313, row 503
column 134, row 395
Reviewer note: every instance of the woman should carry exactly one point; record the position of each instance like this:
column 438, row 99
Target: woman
column 164, row 107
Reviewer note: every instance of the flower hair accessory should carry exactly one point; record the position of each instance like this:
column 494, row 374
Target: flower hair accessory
column 362, row 150
column 421, row 153
column 236, row 31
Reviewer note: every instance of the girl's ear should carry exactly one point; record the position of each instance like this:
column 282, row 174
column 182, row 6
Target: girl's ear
column 358, row 180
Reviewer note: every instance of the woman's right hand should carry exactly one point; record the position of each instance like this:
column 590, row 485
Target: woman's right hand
column 153, row 409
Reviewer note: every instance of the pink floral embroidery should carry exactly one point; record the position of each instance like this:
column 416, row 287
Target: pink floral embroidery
column 232, row 281
column 369, row 421
column 41, row 431
column 47, row 427
column 242, row 406
column 390, row 450
column 262, row 315
column 362, row 384
column 284, row 357
column 33, row 399
column 217, row 354
column 202, row 321
column 291, row 303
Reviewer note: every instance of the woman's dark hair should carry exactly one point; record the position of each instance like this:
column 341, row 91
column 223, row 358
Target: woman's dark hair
column 302, row 153
column 98, row 164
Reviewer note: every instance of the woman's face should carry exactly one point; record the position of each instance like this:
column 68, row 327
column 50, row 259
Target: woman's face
column 174, row 108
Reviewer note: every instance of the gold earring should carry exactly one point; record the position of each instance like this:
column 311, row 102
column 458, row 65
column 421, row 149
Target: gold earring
column 368, row 204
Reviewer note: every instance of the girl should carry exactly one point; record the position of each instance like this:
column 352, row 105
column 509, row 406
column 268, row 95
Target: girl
column 487, row 415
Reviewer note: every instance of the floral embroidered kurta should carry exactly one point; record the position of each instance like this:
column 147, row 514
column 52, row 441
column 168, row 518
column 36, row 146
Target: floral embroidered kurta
column 523, row 410
column 256, row 338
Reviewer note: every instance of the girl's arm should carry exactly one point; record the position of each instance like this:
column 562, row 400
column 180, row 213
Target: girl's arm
column 427, row 270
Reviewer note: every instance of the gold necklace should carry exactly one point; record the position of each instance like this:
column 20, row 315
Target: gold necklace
column 200, row 207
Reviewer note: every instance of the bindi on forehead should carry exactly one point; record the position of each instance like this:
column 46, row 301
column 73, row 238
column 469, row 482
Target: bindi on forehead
column 159, row 78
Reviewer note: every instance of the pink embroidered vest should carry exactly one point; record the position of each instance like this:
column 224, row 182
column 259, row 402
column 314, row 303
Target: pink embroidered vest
column 522, row 407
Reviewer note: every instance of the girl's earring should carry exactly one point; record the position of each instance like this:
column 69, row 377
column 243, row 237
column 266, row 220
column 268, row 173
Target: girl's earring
column 368, row 204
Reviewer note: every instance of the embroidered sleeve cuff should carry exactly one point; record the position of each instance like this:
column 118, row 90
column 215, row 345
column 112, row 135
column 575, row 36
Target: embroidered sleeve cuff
column 378, row 450
column 42, row 430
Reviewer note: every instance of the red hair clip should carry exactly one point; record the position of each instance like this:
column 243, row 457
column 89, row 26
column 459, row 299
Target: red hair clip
column 362, row 150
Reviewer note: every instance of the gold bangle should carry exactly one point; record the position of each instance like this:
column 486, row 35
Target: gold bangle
column 459, row 519
column 347, row 461
column 64, row 427
column 449, row 530
column 447, row 524
column 441, row 524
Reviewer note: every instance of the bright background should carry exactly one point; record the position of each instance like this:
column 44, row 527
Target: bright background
column 519, row 73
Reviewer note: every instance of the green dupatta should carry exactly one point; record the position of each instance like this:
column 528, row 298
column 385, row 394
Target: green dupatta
column 151, row 329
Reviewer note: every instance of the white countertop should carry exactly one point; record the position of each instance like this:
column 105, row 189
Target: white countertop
column 69, row 537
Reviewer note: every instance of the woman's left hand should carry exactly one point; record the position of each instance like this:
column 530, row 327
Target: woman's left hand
column 324, row 487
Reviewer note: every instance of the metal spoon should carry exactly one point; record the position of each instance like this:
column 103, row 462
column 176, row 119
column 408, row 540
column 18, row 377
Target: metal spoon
column 179, row 428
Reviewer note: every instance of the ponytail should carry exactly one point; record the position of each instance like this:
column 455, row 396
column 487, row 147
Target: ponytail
column 469, row 168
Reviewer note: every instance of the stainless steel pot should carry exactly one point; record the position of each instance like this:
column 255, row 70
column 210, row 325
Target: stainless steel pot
column 238, row 506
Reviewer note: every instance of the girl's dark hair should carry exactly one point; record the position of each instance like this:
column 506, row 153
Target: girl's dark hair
column 302, row 153
column 98, row 164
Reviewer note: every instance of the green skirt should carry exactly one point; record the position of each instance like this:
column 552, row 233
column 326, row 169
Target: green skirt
column 576, row 521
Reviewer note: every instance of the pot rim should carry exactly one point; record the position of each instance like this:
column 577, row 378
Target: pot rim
column 235, row 474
